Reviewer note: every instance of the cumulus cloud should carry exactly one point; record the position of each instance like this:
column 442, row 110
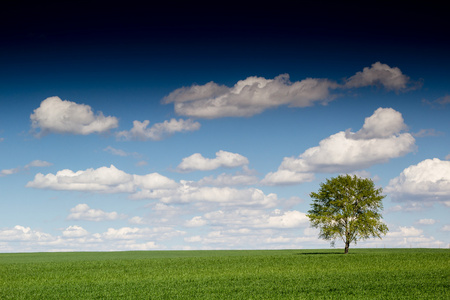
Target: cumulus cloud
column 21, row 233
column 254, row 95
column 403, row 236
column 159, row 130
column 379, row 140
column 383, row 123
column 196, row 162
column 76, row 238
column 255, row 228
column 62, row 116
column 223, row 196
column 75, row 231
column 84, row 212
column 104, row 179
column 248, row 97
column 429, row 181
column 288, row 219
column 253, row 218
column 379, row 74
column 149, row 186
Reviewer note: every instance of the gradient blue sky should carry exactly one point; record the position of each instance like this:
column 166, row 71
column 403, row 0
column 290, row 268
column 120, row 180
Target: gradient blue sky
column 226, row 161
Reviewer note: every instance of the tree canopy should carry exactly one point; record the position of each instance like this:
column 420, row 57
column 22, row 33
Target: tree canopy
column 348, row 208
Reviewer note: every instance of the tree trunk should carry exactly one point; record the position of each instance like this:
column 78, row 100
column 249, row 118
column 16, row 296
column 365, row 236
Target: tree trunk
column 347, row 245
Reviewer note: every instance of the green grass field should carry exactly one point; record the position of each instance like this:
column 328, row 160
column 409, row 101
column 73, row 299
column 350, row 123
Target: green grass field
column 269, row 274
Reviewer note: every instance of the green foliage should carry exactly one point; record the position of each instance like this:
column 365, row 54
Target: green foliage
column 348, row 208
column 277, row 274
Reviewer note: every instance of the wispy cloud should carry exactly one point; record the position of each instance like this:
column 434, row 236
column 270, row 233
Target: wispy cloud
column 120, row 152
column 427, row 132
column 439, row 102
column 33, row 164
column 158, row 131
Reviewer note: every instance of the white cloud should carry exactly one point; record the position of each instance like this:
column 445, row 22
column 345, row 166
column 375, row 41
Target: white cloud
column 286, row 177
column 249, row 228
column 225, row 179
column 136, row 233
column 21, row 233
column 379, row 140
column 404, row 231
column 429, row 180
column 136, row 220
column 34, row 163
column 154, row 181
column 38, row 163
column 248, row 97
column 120, row 152
column 196, row 221
column 379, row 74
column 403, row 236
column 412, row 206
column 62, row 116
column 103, row 179
column 244, row 177
column 84, row 212
column 142, row 246
column 223, row 196
column 76, row 238
column 159, row 130
column 149, row 186
column 196, row 162
column 255, row 218
column 289, row 219
column 254, row 95
column 426, row 221
column 75, row 231
column 7, row 172
column 446, row 228
column 193, row 239
column 383, row 123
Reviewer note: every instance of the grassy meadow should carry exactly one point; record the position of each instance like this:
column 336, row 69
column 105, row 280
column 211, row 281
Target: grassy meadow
column 259, row 274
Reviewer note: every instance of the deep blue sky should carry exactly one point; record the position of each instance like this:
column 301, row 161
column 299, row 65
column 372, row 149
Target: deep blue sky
column 124, row 59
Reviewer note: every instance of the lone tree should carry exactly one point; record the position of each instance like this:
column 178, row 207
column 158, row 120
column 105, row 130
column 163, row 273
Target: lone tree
column 348, row 208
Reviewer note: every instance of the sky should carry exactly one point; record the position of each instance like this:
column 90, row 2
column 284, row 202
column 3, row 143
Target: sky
column 185, row 127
